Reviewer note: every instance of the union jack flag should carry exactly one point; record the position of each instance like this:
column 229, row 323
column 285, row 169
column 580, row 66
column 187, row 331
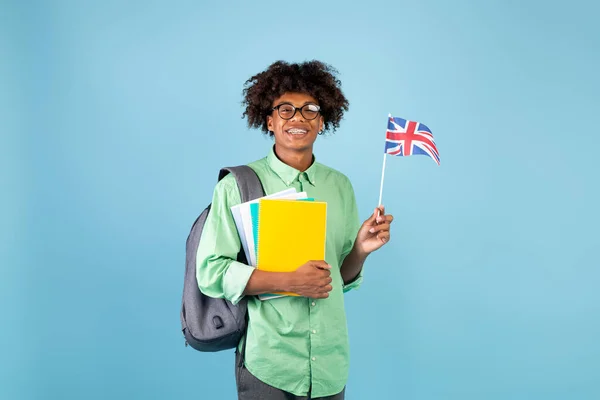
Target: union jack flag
column 406, row 138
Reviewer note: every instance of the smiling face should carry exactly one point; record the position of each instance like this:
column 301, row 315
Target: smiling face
column 298, row 133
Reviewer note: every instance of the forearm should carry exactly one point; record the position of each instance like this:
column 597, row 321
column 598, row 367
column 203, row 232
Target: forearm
column 262, row 282
column 352, row 265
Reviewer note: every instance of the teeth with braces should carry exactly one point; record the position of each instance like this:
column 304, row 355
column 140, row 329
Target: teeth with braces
column 296, row 131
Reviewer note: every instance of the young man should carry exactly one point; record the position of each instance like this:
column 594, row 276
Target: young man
column 296, row 347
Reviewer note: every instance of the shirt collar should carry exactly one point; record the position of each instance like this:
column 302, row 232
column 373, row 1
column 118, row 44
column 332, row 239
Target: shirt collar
column 289, row 174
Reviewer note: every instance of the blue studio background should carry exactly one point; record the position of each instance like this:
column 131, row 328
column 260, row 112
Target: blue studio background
column 116, row 117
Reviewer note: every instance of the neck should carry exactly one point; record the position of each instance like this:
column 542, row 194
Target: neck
column 300, row 160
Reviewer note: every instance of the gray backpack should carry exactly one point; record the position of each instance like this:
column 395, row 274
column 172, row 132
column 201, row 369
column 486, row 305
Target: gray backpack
column 212, row 324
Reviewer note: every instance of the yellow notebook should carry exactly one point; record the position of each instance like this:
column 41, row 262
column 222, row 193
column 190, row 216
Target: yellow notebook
column 290, row 233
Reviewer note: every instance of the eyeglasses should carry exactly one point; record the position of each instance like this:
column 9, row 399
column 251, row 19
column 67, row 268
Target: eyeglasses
column 287, row 111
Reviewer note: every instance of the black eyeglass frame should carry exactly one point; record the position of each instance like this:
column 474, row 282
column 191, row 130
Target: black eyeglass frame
column 296, row 109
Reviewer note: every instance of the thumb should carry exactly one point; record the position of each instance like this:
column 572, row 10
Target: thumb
column 373, row 218
column 321, row 264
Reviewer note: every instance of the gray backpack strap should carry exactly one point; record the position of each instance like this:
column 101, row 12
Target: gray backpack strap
column 247, row 180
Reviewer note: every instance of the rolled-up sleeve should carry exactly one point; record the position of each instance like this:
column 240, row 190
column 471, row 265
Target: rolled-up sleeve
column 352, row 227
column 218, row 272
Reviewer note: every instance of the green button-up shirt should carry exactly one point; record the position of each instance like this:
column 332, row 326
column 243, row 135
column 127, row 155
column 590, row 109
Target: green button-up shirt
column 293, row 343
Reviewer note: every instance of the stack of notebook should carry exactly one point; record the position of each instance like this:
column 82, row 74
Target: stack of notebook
column 282, row 231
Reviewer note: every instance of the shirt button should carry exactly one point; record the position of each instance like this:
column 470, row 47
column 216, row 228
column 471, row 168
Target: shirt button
column 314, row 304
column 314, row 358
column 314, row 331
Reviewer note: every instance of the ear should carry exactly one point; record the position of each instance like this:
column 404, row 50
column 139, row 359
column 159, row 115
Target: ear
column 270, row 123
column 321, row 122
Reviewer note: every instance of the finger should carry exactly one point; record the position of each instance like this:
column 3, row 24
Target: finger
column 324, row 273
column 325, row 289
column 373, row 217
column 383, row 217
column 384, row 237
column 325, row 268
column 321, row 264
column 386, row 218
column 379, row 228
column 326, row 281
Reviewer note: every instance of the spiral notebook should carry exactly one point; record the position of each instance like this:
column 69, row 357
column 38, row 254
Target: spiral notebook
column 288, row 234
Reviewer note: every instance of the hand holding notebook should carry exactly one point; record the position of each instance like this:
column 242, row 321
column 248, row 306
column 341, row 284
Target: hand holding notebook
column 312, row 279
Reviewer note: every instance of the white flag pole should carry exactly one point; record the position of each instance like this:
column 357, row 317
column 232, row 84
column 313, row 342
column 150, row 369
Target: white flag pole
column 382, row 174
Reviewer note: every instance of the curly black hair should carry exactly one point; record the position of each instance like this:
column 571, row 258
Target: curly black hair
column 314, row 78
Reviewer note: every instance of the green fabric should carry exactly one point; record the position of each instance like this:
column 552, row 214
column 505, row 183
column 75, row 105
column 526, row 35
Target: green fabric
column 293, row 342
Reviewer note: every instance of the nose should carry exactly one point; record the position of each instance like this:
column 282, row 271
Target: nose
column 297, row 115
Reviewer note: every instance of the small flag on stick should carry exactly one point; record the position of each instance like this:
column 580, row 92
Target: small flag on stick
column 406, row 138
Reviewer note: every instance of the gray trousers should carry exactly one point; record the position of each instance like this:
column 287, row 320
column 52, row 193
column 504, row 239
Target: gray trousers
column 251, row 388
